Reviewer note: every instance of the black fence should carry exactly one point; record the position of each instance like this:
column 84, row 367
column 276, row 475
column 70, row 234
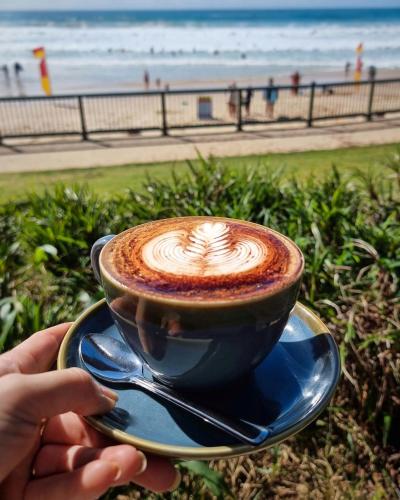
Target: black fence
column 135, row 112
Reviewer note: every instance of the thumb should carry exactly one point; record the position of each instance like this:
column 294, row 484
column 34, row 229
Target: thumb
column 48, row 394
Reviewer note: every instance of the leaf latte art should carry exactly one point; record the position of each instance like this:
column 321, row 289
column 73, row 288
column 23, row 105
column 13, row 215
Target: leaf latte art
column 208, row 250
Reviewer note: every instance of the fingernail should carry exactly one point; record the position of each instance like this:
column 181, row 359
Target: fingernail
column 177, row 481
column 117, row 469
column 108, row 393
column 143, row 466
column 110, row 402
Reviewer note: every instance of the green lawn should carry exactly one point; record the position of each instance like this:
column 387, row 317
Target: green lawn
column 109, row 180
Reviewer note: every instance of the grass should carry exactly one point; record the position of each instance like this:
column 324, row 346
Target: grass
column 349, row 230
column 108, row 181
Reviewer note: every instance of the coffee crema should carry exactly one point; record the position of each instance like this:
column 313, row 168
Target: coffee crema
column 202, row 258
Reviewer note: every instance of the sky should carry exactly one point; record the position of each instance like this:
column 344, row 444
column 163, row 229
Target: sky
column 187, row 4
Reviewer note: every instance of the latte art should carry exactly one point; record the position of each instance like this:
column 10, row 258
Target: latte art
column 202, row 259
column 208, row 250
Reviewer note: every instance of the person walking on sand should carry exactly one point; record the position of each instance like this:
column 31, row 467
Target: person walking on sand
column 295, row 77
column 247, row 100
column 4, row 69
column 372, row 73
column 347, row 67
column 358, row 70
column 7, row 81
column 233, row 101
column 146, row 79
column 17, row 71
column 271, row 96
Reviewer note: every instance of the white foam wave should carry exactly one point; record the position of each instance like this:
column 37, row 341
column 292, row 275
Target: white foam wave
column 143, row 39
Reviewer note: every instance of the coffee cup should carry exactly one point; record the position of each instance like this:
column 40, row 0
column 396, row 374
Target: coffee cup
column 202, row 300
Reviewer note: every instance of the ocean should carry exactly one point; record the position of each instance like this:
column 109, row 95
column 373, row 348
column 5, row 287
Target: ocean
column 109, row 50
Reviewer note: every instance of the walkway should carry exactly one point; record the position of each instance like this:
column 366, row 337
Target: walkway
column 66, row 153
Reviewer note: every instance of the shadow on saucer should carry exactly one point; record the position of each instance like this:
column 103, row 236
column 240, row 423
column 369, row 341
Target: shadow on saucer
column 280, row 392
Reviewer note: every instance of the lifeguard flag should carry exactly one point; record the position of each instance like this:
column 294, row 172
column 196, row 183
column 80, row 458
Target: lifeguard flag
column 360, row 48
column 40, row 53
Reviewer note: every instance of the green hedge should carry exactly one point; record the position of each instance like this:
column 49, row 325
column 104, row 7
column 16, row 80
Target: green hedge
column 349, row 232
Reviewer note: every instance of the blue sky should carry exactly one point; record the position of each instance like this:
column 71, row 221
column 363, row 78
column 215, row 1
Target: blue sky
column 188, row 4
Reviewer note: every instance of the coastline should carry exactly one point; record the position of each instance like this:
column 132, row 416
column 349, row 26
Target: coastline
column 108, row 51
column 317, row 76
column 308, row 76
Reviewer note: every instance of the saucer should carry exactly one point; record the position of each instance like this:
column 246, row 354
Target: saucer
column 284, row 393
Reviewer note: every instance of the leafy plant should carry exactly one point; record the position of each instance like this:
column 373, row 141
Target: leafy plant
column 212, row 479
column 349, row 231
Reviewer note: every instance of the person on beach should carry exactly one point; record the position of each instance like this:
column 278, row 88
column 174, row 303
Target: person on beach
column 347, row 67
column 270, row 96
column 146, row 80
column 358, row 70
column 372, row 73
column 295, row 78
column 233, row 101
column 47, row 450
column 7, row 80
column 247, row 100
column 6, row 73
column 17, row 71
column 158, row 83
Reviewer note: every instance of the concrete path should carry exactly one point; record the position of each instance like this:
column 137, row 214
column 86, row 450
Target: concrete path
column 64, row 153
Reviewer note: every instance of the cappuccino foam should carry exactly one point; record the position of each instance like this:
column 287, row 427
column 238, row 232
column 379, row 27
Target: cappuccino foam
column 202, row 258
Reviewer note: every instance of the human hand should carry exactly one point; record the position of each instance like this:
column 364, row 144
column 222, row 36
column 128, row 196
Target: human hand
column 46, row 450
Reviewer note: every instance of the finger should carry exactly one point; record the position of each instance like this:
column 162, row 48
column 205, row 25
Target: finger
column 54, row 459
column 14, row 484
column 85, row 483
column 71, row 429
column 49, row 394
column 159, row 474
column 36, row 354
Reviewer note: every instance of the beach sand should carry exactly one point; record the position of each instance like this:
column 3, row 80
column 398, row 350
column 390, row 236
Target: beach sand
column 135, row 113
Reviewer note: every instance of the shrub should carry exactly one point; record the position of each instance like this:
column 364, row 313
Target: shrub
column 350, row 234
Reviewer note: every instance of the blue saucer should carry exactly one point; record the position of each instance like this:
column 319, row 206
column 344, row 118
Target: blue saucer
column 284, row 393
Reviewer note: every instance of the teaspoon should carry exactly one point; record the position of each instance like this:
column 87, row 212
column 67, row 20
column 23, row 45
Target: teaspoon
column 111, row 360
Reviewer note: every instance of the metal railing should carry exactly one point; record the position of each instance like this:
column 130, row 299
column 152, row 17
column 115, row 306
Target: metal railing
column 134, row 112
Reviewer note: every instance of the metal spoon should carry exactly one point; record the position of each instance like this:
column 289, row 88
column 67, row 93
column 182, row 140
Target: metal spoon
column 112, row 360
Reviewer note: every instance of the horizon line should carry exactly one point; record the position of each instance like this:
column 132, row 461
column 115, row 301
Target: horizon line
column 199, row 9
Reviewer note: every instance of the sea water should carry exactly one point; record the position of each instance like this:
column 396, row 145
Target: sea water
column 109, row 50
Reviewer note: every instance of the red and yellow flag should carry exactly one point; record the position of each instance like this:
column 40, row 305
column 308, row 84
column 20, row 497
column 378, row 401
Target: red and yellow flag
column 40, row 53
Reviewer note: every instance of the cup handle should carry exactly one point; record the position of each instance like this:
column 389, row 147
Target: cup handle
column 95, row 254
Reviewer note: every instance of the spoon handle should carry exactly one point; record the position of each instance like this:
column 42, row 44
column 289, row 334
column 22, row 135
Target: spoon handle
column 243, row 431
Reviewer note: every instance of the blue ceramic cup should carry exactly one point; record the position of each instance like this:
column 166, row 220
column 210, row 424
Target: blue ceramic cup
column 199, row 343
